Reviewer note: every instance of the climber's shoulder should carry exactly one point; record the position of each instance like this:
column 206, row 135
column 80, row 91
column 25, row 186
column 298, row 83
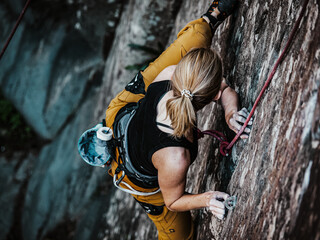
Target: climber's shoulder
column 171, row 159
column 165, row 74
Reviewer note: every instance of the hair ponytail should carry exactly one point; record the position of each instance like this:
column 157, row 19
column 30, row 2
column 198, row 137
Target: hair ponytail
column 196, row 81
column 182, row 114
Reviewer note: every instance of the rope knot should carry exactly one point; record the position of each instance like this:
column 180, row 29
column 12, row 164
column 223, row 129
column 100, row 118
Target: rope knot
column 200, row 134
column 223, row 148
column 219, row 136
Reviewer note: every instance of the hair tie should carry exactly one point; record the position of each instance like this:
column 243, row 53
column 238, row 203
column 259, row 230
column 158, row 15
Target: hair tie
column 187, row 94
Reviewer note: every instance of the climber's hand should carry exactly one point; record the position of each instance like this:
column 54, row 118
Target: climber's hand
column 215, row 203
column 237, row 120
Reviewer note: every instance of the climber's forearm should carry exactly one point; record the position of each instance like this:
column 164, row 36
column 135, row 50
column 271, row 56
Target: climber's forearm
column 229, row 101
column 212, row 199
column 190, row 201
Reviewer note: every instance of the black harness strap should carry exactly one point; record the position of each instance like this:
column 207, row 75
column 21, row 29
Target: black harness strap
column 151, row 209
column 164, row 125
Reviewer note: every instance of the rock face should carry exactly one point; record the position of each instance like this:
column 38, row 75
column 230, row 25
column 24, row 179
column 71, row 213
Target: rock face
column 66, row 63
column 276, row 168
column 52, row 59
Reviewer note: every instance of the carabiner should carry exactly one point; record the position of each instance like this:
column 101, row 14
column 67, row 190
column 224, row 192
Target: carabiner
column 121, row 178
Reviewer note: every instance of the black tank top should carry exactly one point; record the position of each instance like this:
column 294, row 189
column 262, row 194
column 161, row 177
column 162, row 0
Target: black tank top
column 145, row 138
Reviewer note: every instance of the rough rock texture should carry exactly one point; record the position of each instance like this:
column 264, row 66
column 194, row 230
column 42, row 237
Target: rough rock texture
column 67, row 61
column 54, row 194
column 53, row 58
column 276, row 170
column 278, row 167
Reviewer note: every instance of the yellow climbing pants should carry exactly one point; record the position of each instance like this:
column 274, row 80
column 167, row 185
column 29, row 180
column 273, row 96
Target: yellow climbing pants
column 170, row 225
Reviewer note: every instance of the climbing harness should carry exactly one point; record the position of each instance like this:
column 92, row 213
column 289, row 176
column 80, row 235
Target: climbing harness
column 125, row 166
column 151, row 209
column 131, row 190
column 97, row 147
column 225, row 147
column 15, row 28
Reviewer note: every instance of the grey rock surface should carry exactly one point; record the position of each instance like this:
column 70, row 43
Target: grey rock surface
column 273, row 170
column 50, row 62
column 62, row 69
column 62, row 198
column 13, row 184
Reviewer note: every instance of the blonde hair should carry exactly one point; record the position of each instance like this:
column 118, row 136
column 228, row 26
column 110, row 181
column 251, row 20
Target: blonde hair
column 200, row 73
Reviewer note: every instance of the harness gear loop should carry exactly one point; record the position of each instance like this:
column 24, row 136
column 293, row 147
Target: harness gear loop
column 120, row 179
column 131, row 190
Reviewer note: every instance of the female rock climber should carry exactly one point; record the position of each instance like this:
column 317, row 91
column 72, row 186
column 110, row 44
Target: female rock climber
column 161, row 137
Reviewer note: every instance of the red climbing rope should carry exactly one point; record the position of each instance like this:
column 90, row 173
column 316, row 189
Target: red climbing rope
column 225, row 147
column 216, row 134
column 15, row 28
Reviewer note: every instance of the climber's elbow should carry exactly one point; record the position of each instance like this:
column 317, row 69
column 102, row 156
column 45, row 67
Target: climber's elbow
column 171, row 207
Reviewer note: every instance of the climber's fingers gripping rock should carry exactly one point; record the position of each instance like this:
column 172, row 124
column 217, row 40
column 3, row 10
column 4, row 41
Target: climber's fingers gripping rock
column 238, row 119
column 216, row 205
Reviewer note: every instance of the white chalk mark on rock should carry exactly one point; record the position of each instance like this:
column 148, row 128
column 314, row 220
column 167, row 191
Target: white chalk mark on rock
column 306, row 180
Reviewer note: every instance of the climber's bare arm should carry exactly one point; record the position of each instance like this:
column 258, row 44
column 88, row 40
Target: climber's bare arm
column 172, row 164
column 234, row 117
